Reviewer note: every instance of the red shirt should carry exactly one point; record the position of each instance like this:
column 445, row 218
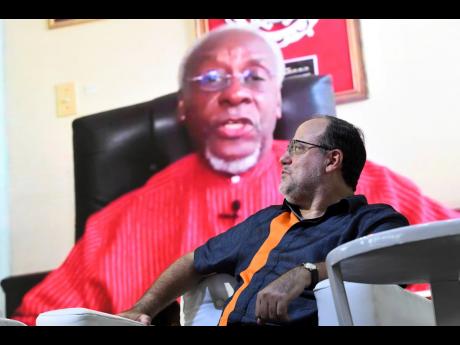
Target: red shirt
column 131, row 241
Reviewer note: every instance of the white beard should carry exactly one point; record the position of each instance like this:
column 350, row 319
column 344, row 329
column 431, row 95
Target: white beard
column 233, row 167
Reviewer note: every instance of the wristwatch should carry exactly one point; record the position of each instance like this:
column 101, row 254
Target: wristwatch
column 313, row 273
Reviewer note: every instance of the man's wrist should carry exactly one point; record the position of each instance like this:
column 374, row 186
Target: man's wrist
column 142, row 308
column 314, row 274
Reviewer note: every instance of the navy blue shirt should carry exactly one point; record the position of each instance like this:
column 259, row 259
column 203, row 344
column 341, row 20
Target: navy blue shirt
column 277, row 239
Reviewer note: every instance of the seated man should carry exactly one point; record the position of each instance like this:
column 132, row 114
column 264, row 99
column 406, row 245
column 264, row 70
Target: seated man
column 278, row 254
column 230, row 100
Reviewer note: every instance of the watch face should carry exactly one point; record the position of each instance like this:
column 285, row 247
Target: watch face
column 309, row 266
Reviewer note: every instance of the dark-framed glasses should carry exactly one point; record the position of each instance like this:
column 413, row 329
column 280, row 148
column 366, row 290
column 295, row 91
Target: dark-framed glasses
column 218, row 79
column 298, row 147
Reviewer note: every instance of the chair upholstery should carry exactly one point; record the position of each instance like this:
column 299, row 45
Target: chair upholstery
column 116, row 151
column 16, row 286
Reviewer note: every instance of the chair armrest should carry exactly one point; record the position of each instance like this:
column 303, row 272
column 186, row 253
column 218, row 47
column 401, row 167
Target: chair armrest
column 82, row 317
column 15, row 287
column 371, row 305
column 9, row 322
column 203, row 305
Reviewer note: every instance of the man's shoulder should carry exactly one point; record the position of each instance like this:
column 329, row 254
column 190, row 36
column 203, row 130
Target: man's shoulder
column 382, row 208
column 379, row 208
column 176, row 170
column 380, row 213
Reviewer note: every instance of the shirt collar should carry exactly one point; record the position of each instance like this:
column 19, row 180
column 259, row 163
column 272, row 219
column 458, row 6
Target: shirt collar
column 348, row 204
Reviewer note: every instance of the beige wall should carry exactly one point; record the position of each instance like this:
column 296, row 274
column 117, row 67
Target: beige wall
column 113, row 63
column 411, row 119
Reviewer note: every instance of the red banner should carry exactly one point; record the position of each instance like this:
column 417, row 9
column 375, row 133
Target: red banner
column 318, row 46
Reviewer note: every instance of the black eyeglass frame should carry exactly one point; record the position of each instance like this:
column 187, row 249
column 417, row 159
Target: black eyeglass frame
column 228, row 77
column 293, row 141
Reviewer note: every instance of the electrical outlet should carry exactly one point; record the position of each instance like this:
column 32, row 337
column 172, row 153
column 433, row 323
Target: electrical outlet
column 66, row 99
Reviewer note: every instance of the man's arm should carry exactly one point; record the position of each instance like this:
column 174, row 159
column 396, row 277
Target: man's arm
column 172, row 283
column 273, row 300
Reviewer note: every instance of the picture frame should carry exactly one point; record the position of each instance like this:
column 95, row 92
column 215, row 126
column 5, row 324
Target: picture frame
column 58, row 23
column 327, row 46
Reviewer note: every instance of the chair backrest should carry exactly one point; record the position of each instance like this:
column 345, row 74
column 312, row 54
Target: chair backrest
column 116, row 151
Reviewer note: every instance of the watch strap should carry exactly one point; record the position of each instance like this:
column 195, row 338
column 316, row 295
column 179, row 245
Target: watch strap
column 313, row 274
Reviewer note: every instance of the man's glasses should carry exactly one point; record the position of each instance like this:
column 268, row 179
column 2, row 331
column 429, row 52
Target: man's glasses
column 218, row 79
column 298, row 147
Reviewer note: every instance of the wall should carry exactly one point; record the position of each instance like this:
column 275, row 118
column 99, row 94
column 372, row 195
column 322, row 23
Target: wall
column 410, row 120
column 4, row 230
column 113, row 63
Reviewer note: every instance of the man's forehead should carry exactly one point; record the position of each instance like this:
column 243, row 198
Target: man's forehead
column 311, row 129
column 243, row 47
column 233, row 55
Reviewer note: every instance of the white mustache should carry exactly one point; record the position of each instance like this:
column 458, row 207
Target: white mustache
column 225, row 119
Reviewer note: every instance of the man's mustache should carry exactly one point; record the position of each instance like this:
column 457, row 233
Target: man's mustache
column 219, row 121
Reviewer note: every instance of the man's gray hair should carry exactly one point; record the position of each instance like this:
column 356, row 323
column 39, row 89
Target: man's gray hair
column 279, row 73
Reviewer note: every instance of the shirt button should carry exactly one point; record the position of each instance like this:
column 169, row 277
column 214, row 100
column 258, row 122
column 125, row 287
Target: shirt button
column 235, row 179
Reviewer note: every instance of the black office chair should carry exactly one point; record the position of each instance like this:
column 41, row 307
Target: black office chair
column 116, row 151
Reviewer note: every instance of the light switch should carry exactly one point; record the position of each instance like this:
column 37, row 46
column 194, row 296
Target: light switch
column 66, row 99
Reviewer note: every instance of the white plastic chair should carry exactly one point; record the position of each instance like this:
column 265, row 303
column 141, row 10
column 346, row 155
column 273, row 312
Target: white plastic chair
column 10, row 322
column 370, row 305
column 375, row 305
column 423, row 253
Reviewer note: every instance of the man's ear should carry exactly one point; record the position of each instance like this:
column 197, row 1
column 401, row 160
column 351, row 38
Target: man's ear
column 334, row 160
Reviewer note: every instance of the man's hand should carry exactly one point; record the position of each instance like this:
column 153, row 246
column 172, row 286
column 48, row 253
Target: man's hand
column 136, row 315
column 272, row 301
column 172, row 283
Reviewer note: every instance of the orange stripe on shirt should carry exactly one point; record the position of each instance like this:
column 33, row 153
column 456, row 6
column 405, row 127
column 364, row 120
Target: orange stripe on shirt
column 278, row 228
